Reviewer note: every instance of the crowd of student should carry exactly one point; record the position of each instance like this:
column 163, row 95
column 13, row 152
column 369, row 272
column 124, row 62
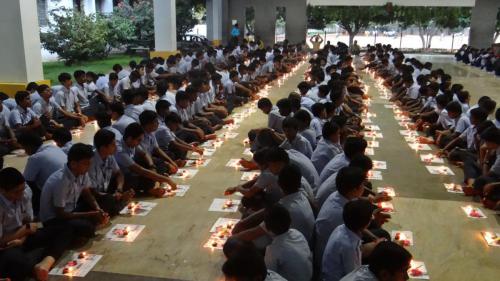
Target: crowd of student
column 486, row 59
column 309, row 215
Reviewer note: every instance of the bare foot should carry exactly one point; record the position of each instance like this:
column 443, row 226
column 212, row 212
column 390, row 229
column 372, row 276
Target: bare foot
column 41, row 270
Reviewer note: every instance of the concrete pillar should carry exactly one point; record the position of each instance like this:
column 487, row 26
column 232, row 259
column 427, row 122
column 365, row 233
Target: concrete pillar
column 483, row 22
column 20, row 56
column 106, row 6
column 165, row 28
column 296, row 21
column 237, row 13
column 265, row 22
column 215, row 20
column 89, row 7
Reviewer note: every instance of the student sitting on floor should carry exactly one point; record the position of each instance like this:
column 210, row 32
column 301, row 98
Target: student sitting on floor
column 118, row 115
column 66, row 199
column 182, row 108
column 104, row 122
column 7, row 137
column 305, row 130
column 460, row 123
column 490, row 169
column 328, row 146
column 46, row 108
column 20, row 238
column 344, row 249
column 63, row 139
column 149, row 146
column 319, row 112
column 70, row 115
column 274, row 118
column 105, row 175
column 23, row 118
column 136, row 176
column 287, row 242
column 132, row 108
column 293, row 139
column 388, row 262
column 43, row 161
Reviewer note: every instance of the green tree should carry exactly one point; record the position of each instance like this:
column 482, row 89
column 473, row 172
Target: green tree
column 318, row 17
column 122, row 31
column 75, row 36
column 140, row 14
column 186, row 14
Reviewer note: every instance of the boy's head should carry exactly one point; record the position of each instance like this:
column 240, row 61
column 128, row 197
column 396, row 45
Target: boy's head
column 12, row 184
column 31, row 87
column 117, row 68
column 354, row 146
column 233, row 75
column 441, row 101
column 290, row 127
column 303, row 87
column 149, row 121
column 23, row 99
column 260, row 158
column 129, row 96
column 284, row 106
column 162, row 107
column 488, row 105
column 117, row 110
column 331, row 132
column 79, row 158
column 454, row 109
column 491, row 138
column 318, row 110
column 61, row 136
column 277, row 220
column 497, row 115
column 105, row 142
column 235, row 245
column 182, row 99
column 245, row 265
column 133, row 135
column 349, row 182
column 113, row 78
column 30, row 142
column 44, row 92
column 363, row 162
column 277, row 158
column 390, row 262
column 134, row 76
column 323, row 91
column 463, row 96
column 103, row 119
column 304, row 119
column 265, row 105
column 289, row 179
column 295, row 100
column 357, row 215
column 478, row 115
column 65, row 79
column 79, row 76
column 173, row 121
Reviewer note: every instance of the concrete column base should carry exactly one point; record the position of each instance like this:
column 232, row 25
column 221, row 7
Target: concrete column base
column 11, row 88
column 162, row 54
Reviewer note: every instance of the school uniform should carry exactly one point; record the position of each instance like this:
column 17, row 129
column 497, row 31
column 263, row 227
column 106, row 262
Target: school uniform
column 300, row 212
column 133, row 111
column 83, row 98
column 342, row 254
column 46, row 110
column 18, row 262
column 273, row 276
column 329, row 218
column 4, row 134
column 317, row 126
column 66, row 147
column 290, row 244
column 300, row 144
column 413, row 92
column 164, row 137
column 118, row 135
column 275, row 120
column 469, row 155
column 10, row 103
column 170, row 97
column 310, row 136
column 101, row 173
column 124, row 156
column 23, row 117
column 306, row 167
column 324, row 152
column 328, row 187
column 122, row 74
column 122, row 123
column 338, row 162
column 362, row 273
column 62, row 190
column 492, row 176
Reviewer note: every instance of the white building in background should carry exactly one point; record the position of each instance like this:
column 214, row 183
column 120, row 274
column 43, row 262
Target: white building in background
column 87, row 6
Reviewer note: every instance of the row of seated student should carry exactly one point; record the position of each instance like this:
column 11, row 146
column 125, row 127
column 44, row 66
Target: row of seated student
column 468, row 135
column 149, row 117
column 485, row 59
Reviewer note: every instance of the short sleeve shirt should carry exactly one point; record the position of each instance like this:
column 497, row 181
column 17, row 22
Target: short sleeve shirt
column 101, row 171
column 124, row 156
column 14, row 214
column 21, row 116
column 41, row 165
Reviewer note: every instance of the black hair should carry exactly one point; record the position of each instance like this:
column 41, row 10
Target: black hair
column 30, row 139
column 277, row 154
column 463, row 96
column 80, row 151
column 173, row 117
column 64, row 77
column 10, row 178
column 303, row 117
column 264, row 102
column 488, row 105
column 117, row 107
column 181, row 96
column 317, row 108
column 103, row 119
column 245, row 265
column 278, row 219
column 362, row 161
column 491, row 134
column 78, row 73
column 289, row 179
column 329, row 128
column 147, row 117
column 133, row 130
column 62, row 136
column 354, row 146
column 497, row 114
column 291, row 123
column 454, row 107
column 103, row 137
column 304, row 86
column 20, row 96
column 340, row 120
column 162, row 104
column 357, row 214
column 389, row 256
column 117, row 67
column 349, row 178
column 31, row 86
column 113, row 76
column 41, row 88
column 128, row 96
column 295, row 99
column 284, row 104
column 479, row 114
column 442, row 100
column 235, row 245
column 260, row 156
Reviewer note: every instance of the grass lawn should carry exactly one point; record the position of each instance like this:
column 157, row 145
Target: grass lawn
column 52, row 69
